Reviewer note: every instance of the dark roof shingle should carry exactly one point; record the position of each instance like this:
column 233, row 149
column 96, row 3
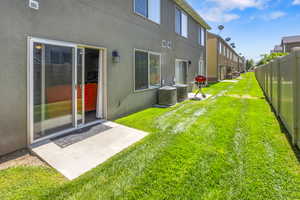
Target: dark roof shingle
column 291, row 39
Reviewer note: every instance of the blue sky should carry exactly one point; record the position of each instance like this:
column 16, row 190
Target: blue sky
column 256, row 26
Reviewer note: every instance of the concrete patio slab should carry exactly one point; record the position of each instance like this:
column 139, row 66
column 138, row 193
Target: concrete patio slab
column 82, row 156
column 230, row 81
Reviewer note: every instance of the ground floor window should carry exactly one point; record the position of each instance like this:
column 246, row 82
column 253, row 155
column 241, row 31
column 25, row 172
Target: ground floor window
column 147, row 70
column 181, row 71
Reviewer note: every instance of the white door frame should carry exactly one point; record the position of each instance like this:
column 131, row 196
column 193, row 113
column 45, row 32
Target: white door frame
column 187, row 69
column 201, row 68
column 30, row 85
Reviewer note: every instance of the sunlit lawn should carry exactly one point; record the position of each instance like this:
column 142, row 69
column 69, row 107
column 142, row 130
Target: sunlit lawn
column 227, row 147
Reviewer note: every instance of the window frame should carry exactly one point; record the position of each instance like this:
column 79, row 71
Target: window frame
column 147, row 17
column 201, row 63
column 187, row 70
column 187, row 24
column 180, row 23
column 201, row 36
column 149, row 75
column 182, row 12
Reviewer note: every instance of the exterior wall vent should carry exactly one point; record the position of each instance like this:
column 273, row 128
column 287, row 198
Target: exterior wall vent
column 34, row 4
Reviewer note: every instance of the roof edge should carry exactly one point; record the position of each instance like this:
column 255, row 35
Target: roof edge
column 192, row 12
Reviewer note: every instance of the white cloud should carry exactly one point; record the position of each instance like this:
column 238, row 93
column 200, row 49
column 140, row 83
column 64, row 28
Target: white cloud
column 218, row 15
column 237, row 4
column 221, row 10
column 296, row 2
column 270, row 16
column 276, row 15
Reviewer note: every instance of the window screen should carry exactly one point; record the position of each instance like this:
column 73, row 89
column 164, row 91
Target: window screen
column 154, row 10
column 149, row 9
column 184, row 24
column 141, row 70
column 199, row 35
column 154, row 70
column 202, row 34
column 178, row 21
column 141, row 7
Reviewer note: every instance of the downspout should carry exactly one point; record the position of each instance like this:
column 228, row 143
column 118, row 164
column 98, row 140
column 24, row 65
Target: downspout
column 206, row 56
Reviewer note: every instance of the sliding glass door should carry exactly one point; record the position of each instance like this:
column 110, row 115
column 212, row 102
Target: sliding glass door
column 57, row 87
column 60, row 92
column 80, row 87
column 181, row 72
column 53, row 83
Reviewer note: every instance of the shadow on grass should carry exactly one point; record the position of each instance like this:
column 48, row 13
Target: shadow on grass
column 286, row 132
column 289, row 138
column 211, row 84
column 283, row 128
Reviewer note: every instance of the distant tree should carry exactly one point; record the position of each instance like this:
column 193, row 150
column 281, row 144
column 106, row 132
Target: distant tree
column 249, row 64
column 266, row 58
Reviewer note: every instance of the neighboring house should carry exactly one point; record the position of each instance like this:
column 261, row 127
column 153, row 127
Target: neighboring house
column 241, row 64
column 66, row 64
column 223, row 61
column 288, row 43
column 277, row 49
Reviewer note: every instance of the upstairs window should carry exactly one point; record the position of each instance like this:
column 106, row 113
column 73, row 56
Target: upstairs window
column 201, row 36
column 181, row 23
column 149, row 9
column 220, row 48
column 178, row 21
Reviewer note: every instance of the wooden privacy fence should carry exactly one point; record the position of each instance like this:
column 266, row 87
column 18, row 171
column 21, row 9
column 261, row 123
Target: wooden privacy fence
column 280, row 81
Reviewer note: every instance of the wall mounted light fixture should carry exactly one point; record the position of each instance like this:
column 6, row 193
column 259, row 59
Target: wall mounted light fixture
column 116, row 57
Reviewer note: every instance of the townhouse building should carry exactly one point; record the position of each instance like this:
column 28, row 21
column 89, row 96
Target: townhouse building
column 223, row 61
column 290, row 42
column 277, row 49
column 68, row 64
column 241, row 64
column 287, row 44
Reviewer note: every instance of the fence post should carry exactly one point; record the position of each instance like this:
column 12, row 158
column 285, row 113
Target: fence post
column 271, row 82
column 296, row 61
column 278, row 87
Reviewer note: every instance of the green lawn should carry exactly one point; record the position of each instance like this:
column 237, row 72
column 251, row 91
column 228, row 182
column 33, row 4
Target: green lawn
column 227, row 147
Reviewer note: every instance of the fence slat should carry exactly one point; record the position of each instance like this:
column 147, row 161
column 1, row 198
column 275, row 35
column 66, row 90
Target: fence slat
column 280, row 81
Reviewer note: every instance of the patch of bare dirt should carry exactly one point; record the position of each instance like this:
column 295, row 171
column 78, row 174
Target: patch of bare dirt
column 20, row 158
column 242, row 96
